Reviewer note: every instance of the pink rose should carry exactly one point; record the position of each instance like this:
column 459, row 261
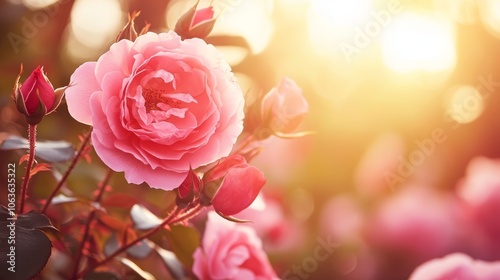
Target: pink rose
column 158, row 106
column 480, row 191
column 240, row 186
column 457, row 266
column 343, row 219
column 279, row 232
column 417, row 222
column 230, row 251
column 284, row 107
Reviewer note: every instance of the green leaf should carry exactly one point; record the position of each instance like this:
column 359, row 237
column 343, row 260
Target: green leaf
column 184, row 241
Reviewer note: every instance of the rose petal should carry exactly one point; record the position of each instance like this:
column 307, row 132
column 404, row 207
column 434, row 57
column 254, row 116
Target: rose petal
column 83, row 84
column 118, row 58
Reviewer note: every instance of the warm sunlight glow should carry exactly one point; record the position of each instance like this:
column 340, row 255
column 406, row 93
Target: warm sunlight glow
column 334, row 27
column 462, row 11
column 93, row 22
column 419, row 42
column 490, row 14
column 465, row 105
column 38, row 4
column 342, row 13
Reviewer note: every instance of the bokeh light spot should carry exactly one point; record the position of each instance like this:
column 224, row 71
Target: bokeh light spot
column 419, row 42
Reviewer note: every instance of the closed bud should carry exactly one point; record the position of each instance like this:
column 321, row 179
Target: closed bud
column 36, row 97
column 283, row 108
column 196, row 23
column 188, row 189
column 233, row 185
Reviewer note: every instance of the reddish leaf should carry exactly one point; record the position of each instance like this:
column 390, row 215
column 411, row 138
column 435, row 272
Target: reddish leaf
column 113, row 223
column 40, row 167
column 128, row 234
column 24, row 158
column 119, row 200
column 3, row 136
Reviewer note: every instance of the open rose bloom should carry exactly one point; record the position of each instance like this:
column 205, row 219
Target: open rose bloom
column 231, row 251
column 158, row 106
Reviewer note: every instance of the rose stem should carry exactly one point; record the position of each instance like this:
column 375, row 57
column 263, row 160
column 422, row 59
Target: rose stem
column 167, row 220
column 92, row 214
column 187, row 215
column 29, row 165
column 77, row 157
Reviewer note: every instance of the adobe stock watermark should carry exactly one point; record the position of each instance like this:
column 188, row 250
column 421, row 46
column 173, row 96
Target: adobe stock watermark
column 11, row 220
column 427, row 146
column 30, row 26
column 323, row 250
column 372, row 29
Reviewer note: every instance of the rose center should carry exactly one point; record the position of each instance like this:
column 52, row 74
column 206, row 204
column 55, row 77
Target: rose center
column 155, row 96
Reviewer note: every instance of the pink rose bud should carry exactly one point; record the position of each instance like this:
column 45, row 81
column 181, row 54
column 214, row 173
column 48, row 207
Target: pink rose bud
column 238, row 185
column 284, row 107
column 36, row 97
column 196, row 23
column 188, row 189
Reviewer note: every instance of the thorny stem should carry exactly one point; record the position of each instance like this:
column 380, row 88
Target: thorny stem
column 124, row 248
column 92, row 214
column 187, row 215
column 77, row 157
column 29, row 165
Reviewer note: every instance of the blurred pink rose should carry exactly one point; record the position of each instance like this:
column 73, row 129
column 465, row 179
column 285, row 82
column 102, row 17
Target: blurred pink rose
column 230, row 251
column 284, row 107
column 279, row 232
column 343, row 219
column 457, row 266
column 480, row 191
column 379, row 162
column 417, row 223
column 158, row 106
column 240, row 186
